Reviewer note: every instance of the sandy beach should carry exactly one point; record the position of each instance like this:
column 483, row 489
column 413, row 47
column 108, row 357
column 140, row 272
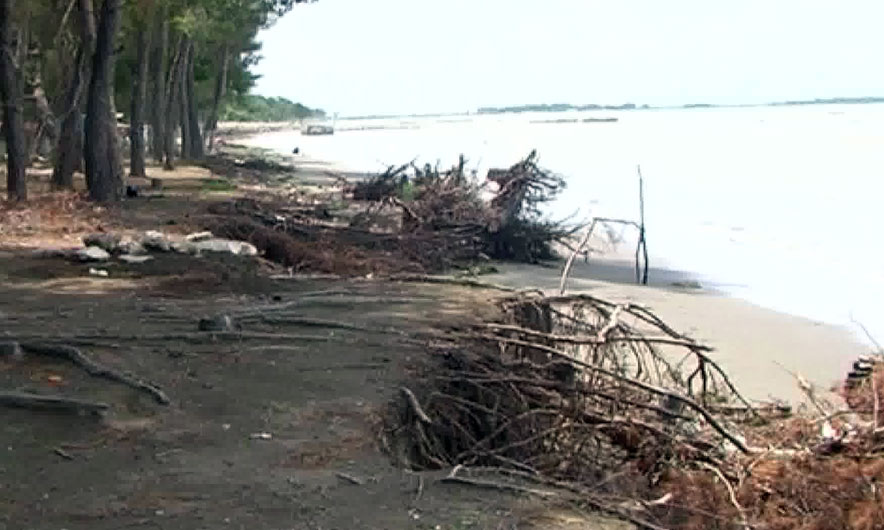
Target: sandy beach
column 759, row 347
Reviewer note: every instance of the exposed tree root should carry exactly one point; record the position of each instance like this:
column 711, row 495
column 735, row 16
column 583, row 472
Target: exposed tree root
column 53, row 403
column 95, row 369
column 612, row 409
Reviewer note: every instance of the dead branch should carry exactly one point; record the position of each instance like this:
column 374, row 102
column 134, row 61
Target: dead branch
column 660, row 391
column 415, row 406
column 594, row 340
column 730, row 491
column 566, row 271
column 502, row 486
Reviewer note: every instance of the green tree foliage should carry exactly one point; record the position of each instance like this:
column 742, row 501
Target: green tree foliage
column 249, row 107
column 48, row 52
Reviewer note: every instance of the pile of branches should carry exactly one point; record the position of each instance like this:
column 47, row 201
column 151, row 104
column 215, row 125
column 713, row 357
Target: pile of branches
column 304, row 239
column 573, row 392
column 605, row 405
column 446, row 207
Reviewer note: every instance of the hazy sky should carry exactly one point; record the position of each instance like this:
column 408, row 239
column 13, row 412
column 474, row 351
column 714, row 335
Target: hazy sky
column 411, row 56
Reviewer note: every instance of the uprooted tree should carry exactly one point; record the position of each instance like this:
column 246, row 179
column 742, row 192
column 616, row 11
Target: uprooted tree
column 604, row 406
column 446, row 208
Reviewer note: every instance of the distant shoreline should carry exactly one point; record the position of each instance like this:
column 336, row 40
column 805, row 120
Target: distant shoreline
column 567, row 107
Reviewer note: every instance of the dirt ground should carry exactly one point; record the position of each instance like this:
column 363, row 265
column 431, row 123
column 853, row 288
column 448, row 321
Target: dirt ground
column 274, row 426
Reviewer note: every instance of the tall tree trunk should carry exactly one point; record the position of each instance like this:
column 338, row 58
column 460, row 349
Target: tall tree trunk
column 103, row 171
column 69, row 151
column 196, row 138
column 10, row 93
column 139, row 94
column 87, row 22
column 158, row 84
column 172, row 90
column 220, row 92
column 184, row 102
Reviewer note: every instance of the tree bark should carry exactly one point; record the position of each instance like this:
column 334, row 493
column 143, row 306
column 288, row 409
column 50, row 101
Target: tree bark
column 69, row 151
column 172, row 91
column 184, row 102
column 158, row 84
column 196, row 138
column 139, row 94
column 10, row 93
column 87, row 22
column 103, row 172
column 220, row 92
column 47, row 134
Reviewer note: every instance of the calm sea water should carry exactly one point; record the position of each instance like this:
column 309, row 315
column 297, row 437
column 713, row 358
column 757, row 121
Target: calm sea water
column 775, row 205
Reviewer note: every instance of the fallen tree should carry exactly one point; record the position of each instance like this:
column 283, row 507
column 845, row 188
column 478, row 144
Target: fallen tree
column 604, row 405
column 447, row 206
column 410, row 219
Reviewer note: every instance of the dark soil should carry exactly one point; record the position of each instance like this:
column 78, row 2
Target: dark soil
column 273, row 426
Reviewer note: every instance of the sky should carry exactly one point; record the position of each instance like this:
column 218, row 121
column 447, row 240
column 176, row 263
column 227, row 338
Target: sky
column 361, row 57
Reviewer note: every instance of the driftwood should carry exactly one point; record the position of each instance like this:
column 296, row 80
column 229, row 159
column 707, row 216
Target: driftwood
column 641, row 249
column 95, row 369
column 51, row 402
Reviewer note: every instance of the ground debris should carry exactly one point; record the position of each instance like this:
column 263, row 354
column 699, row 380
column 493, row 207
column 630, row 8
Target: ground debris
column 410, row 219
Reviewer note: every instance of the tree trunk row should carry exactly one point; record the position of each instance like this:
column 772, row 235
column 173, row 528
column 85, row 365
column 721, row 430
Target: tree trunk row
column 163, row 95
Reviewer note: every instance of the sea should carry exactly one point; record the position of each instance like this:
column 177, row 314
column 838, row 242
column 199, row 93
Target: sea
column 777, row 205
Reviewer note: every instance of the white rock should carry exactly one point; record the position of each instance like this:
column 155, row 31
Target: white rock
column 238, row 248
column 103, row 240
column 128, row 258
column 131, row 247
column 93, row 254
column 98, row 272
column 199, row 236
column 154, row 240
column 184, row 247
